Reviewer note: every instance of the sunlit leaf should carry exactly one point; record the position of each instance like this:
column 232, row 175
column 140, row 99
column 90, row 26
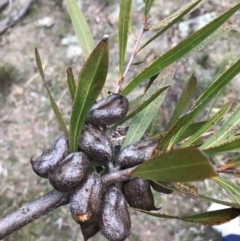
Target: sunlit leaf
column 180, row 50
column 179, row 165
column 219, row 33
column 232, row 189
column 71, row 83
column 172, row 19
column 55, row 107
column 229, row 146
column 81, row 28
column 141, row 121
column 229, row 131
column 90, row 83
column 184, row 99
column 217, row 117
column 123, row 27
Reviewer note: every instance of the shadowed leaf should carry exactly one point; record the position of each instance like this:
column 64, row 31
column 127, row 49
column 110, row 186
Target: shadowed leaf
column 90, row 83
column 71, row 83
column 55, row 107
column 184, row 99
column 179, row 165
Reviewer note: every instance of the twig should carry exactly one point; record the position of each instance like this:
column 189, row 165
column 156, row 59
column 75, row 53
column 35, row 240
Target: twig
column 227, row 171
column 31, row 211
column 52, row 200
column 120, row 83
column 13, row 17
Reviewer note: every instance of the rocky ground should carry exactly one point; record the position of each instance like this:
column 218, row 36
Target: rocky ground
column 27, row 123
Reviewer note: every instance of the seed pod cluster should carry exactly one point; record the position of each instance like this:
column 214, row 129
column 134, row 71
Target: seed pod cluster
column 94, row 205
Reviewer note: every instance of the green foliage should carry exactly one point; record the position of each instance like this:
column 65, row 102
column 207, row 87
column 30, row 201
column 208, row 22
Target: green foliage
column 177, row 158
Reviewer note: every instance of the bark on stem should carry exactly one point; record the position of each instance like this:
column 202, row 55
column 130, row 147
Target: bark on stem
column 43, row 205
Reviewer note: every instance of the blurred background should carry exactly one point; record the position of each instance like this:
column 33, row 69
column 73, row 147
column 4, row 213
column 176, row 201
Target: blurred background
column 28, row 125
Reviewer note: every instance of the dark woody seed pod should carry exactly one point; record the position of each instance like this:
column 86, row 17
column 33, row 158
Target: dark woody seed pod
column 89, row 229
column 159, row 188
column 115, row 222
column 136, row 153
column 138, row 194
column 51, row 157
column 96, row 145
column 70, row 172
column 109, row 110
column 85, row 203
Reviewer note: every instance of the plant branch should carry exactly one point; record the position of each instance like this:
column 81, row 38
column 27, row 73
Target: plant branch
column 134, row 52
column 227, row 171
column 50, row 201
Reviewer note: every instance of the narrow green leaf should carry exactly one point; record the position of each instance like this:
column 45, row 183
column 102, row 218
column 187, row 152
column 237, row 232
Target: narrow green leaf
column 141, row 121
column 155, row 125
column 219, row 84
column 213, row 217
column 231, row 188
column 188, row 8
column 231, row 146
column 179, row 165
column 157, row 214
column 202, row 197
column 184, row 99
column 228, row 131
column 123, row 27
column 142, row 106
column 55, row 107
column 187, row 189
column 213, row 200
column 81, row 28
column 144, row 59
column 189, row 131
column 90, row 83
column 180, row 50
column 219, row 33
column 192, row 129
column 217, row 117
column 71, row 83
column 148, row 5
column 208, row 95
column 206, row 218
column 172, row 19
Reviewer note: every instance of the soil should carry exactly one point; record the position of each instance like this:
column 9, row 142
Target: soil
column 27, row 123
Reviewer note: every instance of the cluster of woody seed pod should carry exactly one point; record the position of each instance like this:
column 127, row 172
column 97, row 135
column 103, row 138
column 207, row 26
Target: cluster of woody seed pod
column 94, row 206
